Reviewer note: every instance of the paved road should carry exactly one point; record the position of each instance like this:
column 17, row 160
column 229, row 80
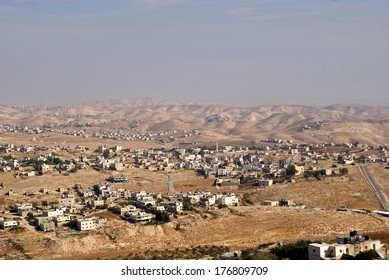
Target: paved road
column 381, row 196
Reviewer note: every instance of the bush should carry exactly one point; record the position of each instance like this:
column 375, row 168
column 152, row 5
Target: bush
column 293, row 251
column 367, row 255
column 162, row 216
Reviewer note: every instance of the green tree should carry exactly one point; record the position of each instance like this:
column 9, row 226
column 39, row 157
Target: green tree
column 162, row 216
column 293, row 251
column 366, row 255
column 106, row 154
column 290, row 170
column 186, row 205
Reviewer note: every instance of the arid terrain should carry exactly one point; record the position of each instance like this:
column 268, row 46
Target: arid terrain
column 175, row 123
column 168, row 126
column 235, row 227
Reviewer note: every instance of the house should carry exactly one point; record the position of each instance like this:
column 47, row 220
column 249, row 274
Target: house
column 348, row 246
column 30, row 173
column 5, row 168
column 264, row 183
column 327, row 171
column 229, row 199
column 10, row 193
column 117, row 179
column 270, row 203
column 224, row 172
column 117, row 166
column 46, row 225
column 122, row 210
column 62, row 219
column 142, row 203
column 285, row 202
column 208, row 200
column 6, row 223
column 299, row 170
column 235, row 255
column 156, row 208
column 230, row 182
column 172, row 206
column 86, row 224
column 22, row 207
column 140, row 217
column 66, row 201
column 97, row 203
column 53, row 213
column 138, row 195
column 45, row 168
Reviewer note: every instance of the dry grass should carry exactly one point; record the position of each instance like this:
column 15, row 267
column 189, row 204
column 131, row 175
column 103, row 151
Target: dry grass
column 330, row 193
column 256, row 224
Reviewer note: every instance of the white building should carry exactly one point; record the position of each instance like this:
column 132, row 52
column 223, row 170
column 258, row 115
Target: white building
column 86, row 224
column 54, row 213
column 270, row 203
column 350, row 246
column 229, row 199
column 140, row 217
column 5, row 224
column 117, row 166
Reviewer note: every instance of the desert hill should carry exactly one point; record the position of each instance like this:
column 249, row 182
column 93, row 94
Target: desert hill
column 332, row 123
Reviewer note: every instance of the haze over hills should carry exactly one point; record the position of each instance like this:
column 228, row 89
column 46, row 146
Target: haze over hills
column 332, row 123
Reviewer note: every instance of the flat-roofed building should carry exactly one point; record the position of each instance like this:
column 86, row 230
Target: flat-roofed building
column 86, row 224
column 6, row 224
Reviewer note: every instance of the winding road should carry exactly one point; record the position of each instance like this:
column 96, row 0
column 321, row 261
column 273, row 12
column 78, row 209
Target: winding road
column 369, row 177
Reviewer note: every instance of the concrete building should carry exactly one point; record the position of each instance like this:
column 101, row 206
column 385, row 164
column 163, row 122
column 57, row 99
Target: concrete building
column 122, row 210
column 299, row 170
column 270, row 203
column 117, row 166
column 140, row 217
column 229, row 199
column 6, row 224
column 53, row 213
column 66, row 201
column 345, row 246
column 46, row 225
column 235, row 255
column 264, row 183
column 172, row 206
column 86, row 224
column 98, row 203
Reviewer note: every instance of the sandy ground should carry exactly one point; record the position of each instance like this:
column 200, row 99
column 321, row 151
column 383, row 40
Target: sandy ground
column 253, row 226
column 351, row 191
column 241, row 227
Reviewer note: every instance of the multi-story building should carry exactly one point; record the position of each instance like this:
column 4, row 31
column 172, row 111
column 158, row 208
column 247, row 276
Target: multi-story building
column 86, row 224
column 6, row 224
column 345, row 246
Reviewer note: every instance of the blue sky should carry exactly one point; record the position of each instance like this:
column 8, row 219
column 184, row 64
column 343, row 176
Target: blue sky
column 239, row 52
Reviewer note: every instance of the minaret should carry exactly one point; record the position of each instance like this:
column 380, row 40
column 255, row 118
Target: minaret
column 217, row 146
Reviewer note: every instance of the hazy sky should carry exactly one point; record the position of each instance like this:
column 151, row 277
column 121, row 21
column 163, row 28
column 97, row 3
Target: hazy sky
column 315, row 52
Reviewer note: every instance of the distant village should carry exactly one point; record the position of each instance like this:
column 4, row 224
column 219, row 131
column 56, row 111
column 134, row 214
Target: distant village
column 89, row 130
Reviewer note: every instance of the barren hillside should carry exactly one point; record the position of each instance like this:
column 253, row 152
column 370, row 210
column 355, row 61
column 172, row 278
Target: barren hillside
column 334, row 123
